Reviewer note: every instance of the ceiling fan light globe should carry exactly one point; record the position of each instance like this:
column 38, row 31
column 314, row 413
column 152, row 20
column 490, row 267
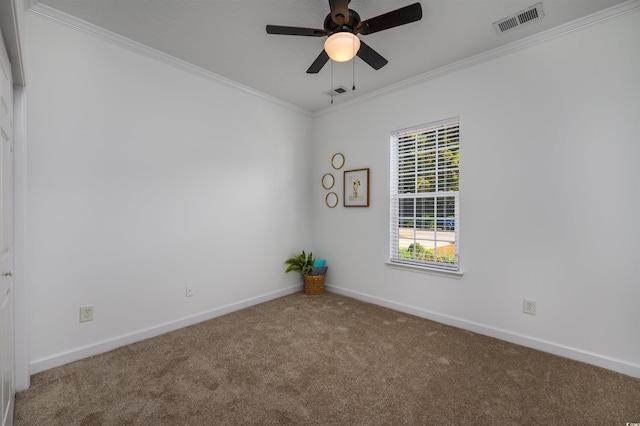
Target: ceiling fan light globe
column 342, row 46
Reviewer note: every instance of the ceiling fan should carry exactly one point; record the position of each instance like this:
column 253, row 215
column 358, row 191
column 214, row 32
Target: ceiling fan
column 341, row 26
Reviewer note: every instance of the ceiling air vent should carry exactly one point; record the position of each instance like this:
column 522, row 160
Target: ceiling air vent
column 336, row 91
column 532, row 13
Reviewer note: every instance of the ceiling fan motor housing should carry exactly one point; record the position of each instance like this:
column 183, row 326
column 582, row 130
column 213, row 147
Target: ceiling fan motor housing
column 331, row 27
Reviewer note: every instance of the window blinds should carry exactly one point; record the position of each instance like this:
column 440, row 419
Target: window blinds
column 424, row 195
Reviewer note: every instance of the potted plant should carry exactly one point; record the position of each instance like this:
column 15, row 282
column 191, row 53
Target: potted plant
column 312, row 272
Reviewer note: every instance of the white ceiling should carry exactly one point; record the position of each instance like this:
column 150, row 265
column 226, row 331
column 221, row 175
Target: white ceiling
column 228, row 37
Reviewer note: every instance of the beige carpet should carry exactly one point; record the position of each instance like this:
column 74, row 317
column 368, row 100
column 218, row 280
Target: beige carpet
column 327, row 360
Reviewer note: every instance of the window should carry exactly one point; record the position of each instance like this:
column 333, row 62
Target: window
column 425, row 195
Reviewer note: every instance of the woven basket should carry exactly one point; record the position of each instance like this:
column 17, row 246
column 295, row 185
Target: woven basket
column 314, row 284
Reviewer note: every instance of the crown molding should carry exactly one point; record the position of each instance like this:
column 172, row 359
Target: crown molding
column 28, row 4
column 80, row 25
column 562, row 30
column 11, row 21
column 67, row 20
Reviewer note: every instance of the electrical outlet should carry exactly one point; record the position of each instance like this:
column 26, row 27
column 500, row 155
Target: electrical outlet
column 529, row 306
column 86, row 313
column 188, row 291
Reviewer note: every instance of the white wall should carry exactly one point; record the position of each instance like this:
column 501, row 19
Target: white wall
column 143, row 178
column 550, row 148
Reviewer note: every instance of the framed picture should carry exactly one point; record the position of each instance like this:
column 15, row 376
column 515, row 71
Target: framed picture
column 356, row 188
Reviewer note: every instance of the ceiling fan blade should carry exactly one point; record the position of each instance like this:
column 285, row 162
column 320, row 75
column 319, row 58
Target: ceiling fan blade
column 370, row 56
column 339, row 11
column 317, row 65
column 296, row 31
column 395, row 18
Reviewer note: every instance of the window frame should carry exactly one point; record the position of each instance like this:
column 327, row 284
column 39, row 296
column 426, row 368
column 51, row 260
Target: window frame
column 441, row 197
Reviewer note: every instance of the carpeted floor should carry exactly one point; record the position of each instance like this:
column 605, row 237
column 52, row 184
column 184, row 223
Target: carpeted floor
column 326, row 360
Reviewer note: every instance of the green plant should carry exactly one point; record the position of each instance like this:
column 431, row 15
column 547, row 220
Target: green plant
column 302, row 263
column 417, row 248
column 419, row 252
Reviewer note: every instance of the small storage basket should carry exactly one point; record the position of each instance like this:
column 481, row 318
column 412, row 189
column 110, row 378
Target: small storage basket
column 314, row 284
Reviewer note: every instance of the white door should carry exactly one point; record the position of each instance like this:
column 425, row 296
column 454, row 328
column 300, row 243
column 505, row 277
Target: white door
column 6, row 238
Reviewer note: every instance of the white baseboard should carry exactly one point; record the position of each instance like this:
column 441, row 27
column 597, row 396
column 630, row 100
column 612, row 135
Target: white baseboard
column 79, row 353
column 618, row 365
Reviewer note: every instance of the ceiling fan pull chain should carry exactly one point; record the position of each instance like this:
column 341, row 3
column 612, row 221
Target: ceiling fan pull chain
column 331, row 82
column 353, row 80
column 354, row 74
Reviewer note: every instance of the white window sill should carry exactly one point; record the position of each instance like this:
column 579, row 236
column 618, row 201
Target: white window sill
column 425, row 270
